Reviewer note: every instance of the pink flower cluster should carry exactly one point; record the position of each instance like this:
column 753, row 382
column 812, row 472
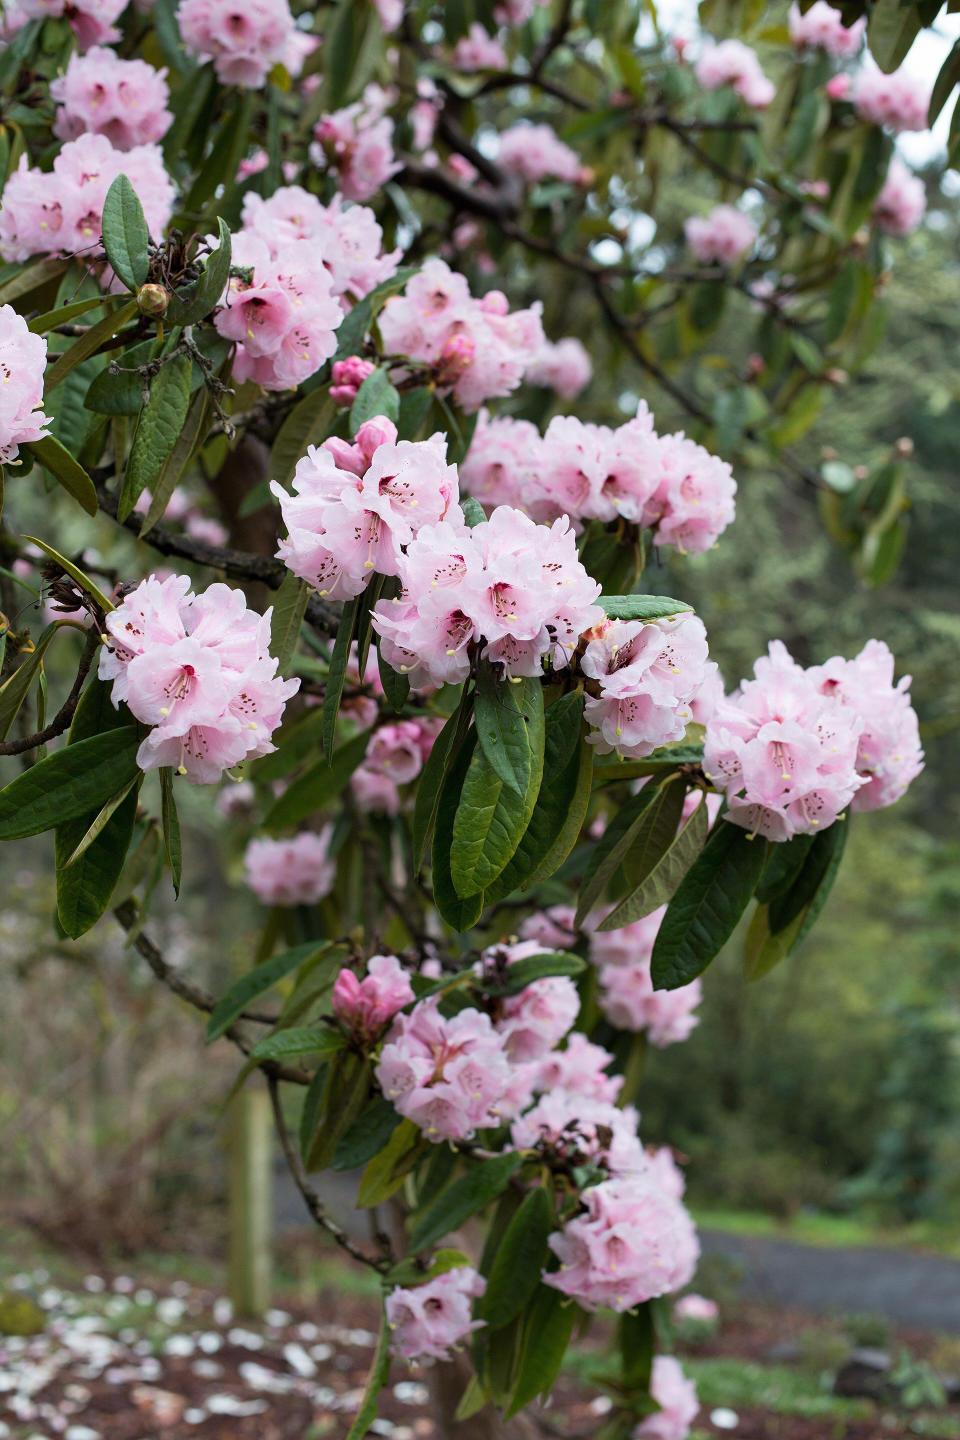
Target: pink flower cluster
column 429, row 1321
column 357, row 506
column 822, row 28
column 898, row 101
column 46, row 212
column 647, row 674
column 514, row 588
column 90, row 20
column 785, row 746
column 23, row 359
column 627, row 996
column 633, row 1241
column 696, row 1308
column 298, row 871
column 99, row 93
column 564, row 367
column 667, row 483
column 536, row 152
column 735, row 64
column 580, row 1068
column 536, row 1019
column 448, row 1076
column 479, row 349
column 395, row 756
column 553, row 928
column 356, row 145
column 580, row 1127
column 902, row 202
column 347, row 376
column 367, row 1006
column 244, row 41
column 345, row 242
column 721, row 237
column 477, row 50
column 677, row 1398
column 197, row 669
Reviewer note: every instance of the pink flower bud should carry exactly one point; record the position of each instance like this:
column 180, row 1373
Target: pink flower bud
column 367, row 1006
column 838, row 87
column 456, row 357
column 348, row 376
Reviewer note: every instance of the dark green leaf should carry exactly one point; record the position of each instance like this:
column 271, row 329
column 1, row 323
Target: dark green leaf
column 289, row 608
column 122, row 393
column 309, row 422
column 386, row 1171
column 176, row 462
column 72, row 782
column 820, row 865
column 784, row 863
column 547, row 1327
column 367, row 1136
column 64, row 313
column 535, row 967
column 614, row 843
column 337, row 673
column 656, row 833
column 197, row 302
column 380, row 1368
column 460, row 914
column 637, row 1340
column 296, row 741
column 170, row 822
column 85, row 886
column 75, row 573
column 661, row 883
column 66, row 471
column 16, row 687
column 520, row 1257
column 431, row 780
column 298, row 1040
column 318, row 785
column 257, row 982
column 354, row 326
column 161, row 423
column 345, row 1096
column 482, row 1183
column 892, row 30
column 510, row 726
column 31, row 277
column 491, row 819
column 641, row 607
column 396, row 687
column 376, row 396
column 125, row 233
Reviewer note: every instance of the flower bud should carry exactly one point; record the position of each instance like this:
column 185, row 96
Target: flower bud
column 153, row 300
column 903, row 446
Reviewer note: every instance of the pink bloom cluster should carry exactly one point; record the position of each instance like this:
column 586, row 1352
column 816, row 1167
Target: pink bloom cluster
column 477, row 50
column 283, row 318
column 784, row 751
column 298, row 871
column 479, row 349
column 197, row 669
column 697, row 1308
column 346, row 242
column 898, row 101
column 429, row 1321
column 902, row 202
column 126, row 100
column 677, row 1398
column 448, row 1076
column 721, row 237
column 536, row 152
column 90, row 20
column 536, row 1019
column 667, row 483
column 822, row 28
column 627, row 996
column 564, row 367
column 553, row 928
column 733, row 63
column 45, row 212
column 633, row 1241
column 647, row 674
column 395, row 756
column 579, row 1068
column 580, row 1127
column 513, row 587
column 244, row 41
column 356, row 145
column 347, row 376
column 367, row 1006
column 23, row 359
column 356, row 506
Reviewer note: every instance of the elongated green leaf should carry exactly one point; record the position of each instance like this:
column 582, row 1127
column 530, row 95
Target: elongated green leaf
column 295, row 742
column 491, row 819
column 430, row 783
column 66, row 471
column 309, row 422
column 376, row 396
column 367, row 1136
column 520, row 1257
column 349, row 31
column 121, row 393
column 73, row 781
column 31, row 277
column 354, row 327
column 642, row 607
column 75, row 573
column 16, row 687
column 177, row 461
column 657, row 831
column 482, row 1183
column 636, row 1337
column 289, row 608
column 85, row 885
column 52, row 318
column 892, row 30
column 548, row 1325
column 345, row 1096
column 299, row 1040
column 510, row 726
column 661, row 883
column 379, row 1374
column 96, row 827
column 784, row 863
column 385, row 1172
column 396, row 687
column 819, row 868
column 608, row 770
column 197, row 302
column 337, row 673
column 158, row 429
column 257, row 982
column 125, row 233
column 318, row 785
column 535, row 967
column 170, row 822
column 220, row 166
column 88, row 345
column 763, row 950
column 459, row 913
column 614, row 843
column 709, row 901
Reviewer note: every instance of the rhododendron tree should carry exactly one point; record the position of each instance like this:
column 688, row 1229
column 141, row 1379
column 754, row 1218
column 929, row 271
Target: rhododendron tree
column 307, row 319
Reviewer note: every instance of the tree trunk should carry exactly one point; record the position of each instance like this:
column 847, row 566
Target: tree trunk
column 446, row 1384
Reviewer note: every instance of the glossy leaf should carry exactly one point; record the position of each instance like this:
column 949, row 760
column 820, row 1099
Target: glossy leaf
column 547, row 1328
column 535, row 967
column 296, row 1040
column 491, row 819
column 376, row 396
column 16, row 687
column 660, row 884
column 481, row 1184
column 125, row 233
column 309, row 422
column 318, row 785
column 257, row 982
column 176, row 462
column 510, row 726
column 819, row 869
column 170, row 825
column 289, row 608
column 88, row 345
column 76, row 574
column 520, row 1257
column 71, row 782
column 161, row 423
column 67, row 471
column 367, row 1136
column 614, row 843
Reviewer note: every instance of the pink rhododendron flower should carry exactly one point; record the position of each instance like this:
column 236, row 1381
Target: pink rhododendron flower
column 244, row 41
column 291, row 872
column 126, row 100
column 735, row 64
column 395, row 756
column 784, row 750
column 536, row 152
column 578, row 1128
column 345, row 240
column 647, row 674
column 429, row 1321
column 564, row 367
column 902, row 202
column 537, row 1018
column 367, row 1006
column 677, row 1398
column 49, row 212
column 552, row 928
column 196, row 668
column 627, row 997
column 502, row 460
column 888, row 755
column 348, row 375
column 579, row 1067
column 632, row 1242
column 516, row 589
column 821, row 27
column 90, row 20
column 23, row 359
column 898, row 101
column 838, row 87
column 721, row 237
column 390, row 13
column 477, row 50
column 447, row 1076
column 356, row 145
column 696, row 1307
column 436, row 307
